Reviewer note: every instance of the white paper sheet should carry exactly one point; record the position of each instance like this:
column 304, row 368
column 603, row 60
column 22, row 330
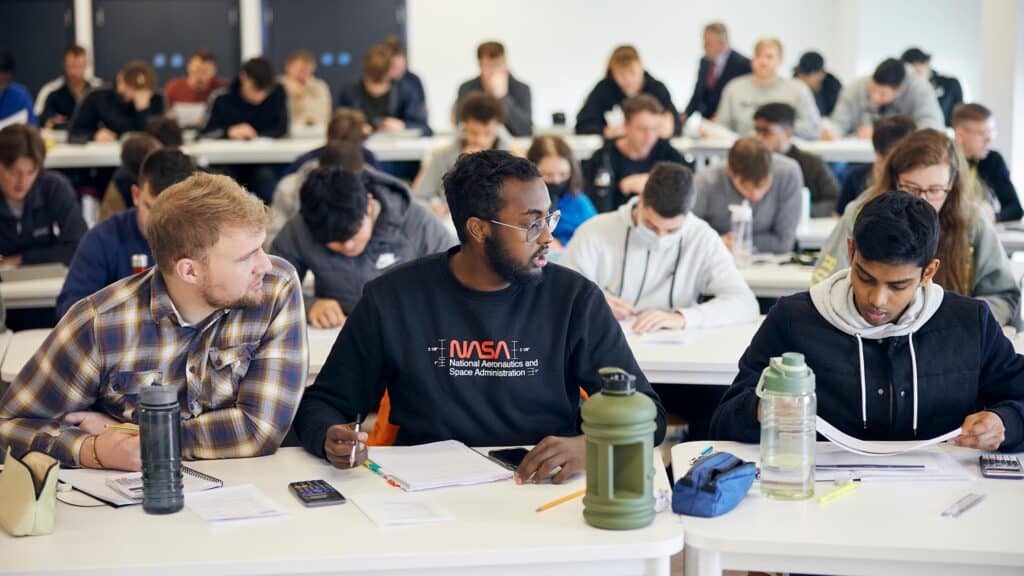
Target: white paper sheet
column 401, row 509
column 245, row 502
column 873, row 448
column 437, row 465
column 658, row 337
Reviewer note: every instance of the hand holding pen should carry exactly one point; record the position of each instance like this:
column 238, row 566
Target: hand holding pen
column 345, row 445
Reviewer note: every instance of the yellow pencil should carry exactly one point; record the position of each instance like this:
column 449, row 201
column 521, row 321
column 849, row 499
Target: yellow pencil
column 562, row 500
column 127, row 427
column 844, row 489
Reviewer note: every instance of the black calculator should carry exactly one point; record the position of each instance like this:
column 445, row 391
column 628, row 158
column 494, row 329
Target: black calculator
column 1000, row 466
column 316, row 493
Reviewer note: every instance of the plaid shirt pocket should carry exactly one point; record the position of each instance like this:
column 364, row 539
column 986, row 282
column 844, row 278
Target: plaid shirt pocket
column 226, row 367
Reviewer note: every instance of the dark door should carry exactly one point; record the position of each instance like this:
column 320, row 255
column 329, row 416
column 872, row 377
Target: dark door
column 36, row 32
column 337, row 32
column 165, row 33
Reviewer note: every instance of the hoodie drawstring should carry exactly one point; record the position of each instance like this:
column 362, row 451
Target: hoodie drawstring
column 913, row 369
column 863, row 384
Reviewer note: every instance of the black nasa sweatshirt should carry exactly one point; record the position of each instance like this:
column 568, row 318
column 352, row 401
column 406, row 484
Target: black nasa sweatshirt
column 486, row 368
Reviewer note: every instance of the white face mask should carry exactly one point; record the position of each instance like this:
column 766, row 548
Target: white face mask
column 646, row 238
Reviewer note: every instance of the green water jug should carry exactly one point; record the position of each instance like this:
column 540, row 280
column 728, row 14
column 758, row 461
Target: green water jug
column 619, row 426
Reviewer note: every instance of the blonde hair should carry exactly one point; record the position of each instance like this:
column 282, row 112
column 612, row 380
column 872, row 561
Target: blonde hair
column 187, row 218
column 623, row 56
column 766, row 42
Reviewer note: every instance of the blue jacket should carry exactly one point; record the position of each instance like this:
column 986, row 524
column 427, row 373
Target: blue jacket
column 104, row 256
column 14, row 99
column 404, row 103
column 964, row 362
column 50, row 225
column 575, row 211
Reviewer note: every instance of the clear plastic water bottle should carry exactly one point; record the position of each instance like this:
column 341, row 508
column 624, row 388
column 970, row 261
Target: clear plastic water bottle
column 787, row 411
column 742, row 222
column 160, row 441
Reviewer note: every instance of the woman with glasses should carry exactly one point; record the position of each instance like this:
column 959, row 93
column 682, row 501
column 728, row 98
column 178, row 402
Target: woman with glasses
column 973, row 262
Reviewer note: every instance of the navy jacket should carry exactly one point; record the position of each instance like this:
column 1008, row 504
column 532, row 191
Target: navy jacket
column 965, row 364
column 949, row 93
column 50, row 226
column 269, row 118
column 607, row 94
column 104, row 108
column 104, row 256
column 705, row 98
column 404, row 103
column 995, row 176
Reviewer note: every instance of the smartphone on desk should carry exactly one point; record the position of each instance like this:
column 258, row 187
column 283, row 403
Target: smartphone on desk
column 510, row 458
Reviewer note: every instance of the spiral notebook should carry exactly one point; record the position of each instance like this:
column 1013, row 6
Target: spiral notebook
column 125, row 489
column 437, row 465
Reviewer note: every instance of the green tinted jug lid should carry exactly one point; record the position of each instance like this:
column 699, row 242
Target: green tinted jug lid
column 787, row 374
column 617, row 381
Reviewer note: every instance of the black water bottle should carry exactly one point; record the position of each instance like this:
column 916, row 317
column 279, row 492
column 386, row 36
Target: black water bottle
column 160, row 430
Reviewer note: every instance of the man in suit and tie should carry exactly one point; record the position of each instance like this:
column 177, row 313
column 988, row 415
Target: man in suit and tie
column 719, row 65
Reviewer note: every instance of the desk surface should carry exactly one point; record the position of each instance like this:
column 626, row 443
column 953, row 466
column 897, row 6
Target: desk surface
column 495, row 531
column 882, row 528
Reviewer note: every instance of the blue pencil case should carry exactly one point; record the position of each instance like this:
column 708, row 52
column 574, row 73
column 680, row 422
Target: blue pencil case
column 714, row 485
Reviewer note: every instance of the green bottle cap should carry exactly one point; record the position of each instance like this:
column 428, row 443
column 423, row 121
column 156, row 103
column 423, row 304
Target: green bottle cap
column 787, row 374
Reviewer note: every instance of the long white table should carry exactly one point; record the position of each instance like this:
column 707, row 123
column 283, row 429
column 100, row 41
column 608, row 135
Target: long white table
column 771, row 280
column 41, row 293
column 495, row 531
column 882, row 528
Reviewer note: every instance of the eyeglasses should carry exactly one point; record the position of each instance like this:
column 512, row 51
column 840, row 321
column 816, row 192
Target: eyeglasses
column 549, row 222
column 934, row 193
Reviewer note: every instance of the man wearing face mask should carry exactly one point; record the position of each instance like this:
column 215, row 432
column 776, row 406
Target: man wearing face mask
column 654, row 259
column 486, row 343
column 771, row 183
column 896, row 357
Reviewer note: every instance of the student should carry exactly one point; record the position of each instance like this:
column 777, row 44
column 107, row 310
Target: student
column 14, row 97
column 654, row 260
column 495, row 80
column 770, row 182
column 742, row 96
column 118, row 195
column 773, row 124
column 166, row 130
column 975, row 128
column 481, row 129
column 887, row 133
column 895, row 356
column 928, row 164
column 826, row 88
column 618, row 170
column 496, row 287
column 719, row 65
column 309, row 98
column 107, row 113
column 216, row 317
column 398, row 69
column 890, row 90
column 389, row 106
column 58, row 98
column 947, row 88
column 253, row 106
column 561, row 174
column 347, row 125
column 353, row 227
column 198, row 84
column 40, row 218
column 108, row 252
column 625, row 78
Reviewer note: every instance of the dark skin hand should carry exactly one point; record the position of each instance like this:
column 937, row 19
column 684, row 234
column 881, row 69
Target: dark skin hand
column 550, row 454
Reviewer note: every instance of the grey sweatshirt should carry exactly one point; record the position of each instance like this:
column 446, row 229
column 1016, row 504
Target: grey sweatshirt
column 916, row 99
column 742, row 96
column 776, row 216
column 993, row 279
column 403, row 231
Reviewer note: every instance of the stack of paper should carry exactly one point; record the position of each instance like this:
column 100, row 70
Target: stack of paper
column 436, row 465
column 245, row 502
column 400, row 509
column 876, row 448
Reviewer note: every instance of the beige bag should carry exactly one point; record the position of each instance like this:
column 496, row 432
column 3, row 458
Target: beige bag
column 28, row 494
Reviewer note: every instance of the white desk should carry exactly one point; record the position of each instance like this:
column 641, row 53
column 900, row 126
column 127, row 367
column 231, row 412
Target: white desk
column 813, row 235
column 882, row 528
column 495, row 531
column 1011, row 236
column 41, row 293
column 768, row 280
column 847, row 150
column 20, row 347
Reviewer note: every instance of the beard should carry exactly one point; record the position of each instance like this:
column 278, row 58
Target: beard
column 505, row 265
column 246, row 300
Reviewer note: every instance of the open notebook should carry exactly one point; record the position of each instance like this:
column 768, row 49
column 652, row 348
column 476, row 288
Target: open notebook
column 124, row 489
column 437, row 465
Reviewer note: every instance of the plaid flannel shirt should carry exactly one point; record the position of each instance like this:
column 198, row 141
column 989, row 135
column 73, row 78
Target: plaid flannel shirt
column 240, row 373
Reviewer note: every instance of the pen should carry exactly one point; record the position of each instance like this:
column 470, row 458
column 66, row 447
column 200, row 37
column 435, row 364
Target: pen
column 355, row 444
column 128, row 427
column 562, row 500
column 963, row 505
column 702, row 454
column 837, row 492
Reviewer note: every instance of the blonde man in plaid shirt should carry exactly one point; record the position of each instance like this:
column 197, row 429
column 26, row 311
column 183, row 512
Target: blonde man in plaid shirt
column 217, row 318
